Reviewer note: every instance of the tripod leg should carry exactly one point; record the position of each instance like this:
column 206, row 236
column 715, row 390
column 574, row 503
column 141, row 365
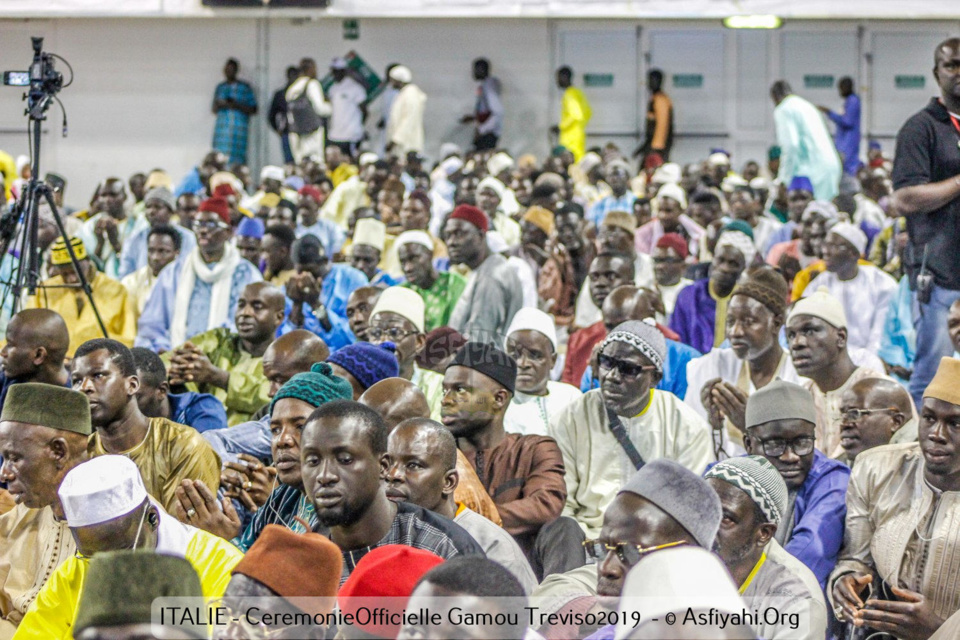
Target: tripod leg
column 87, row 289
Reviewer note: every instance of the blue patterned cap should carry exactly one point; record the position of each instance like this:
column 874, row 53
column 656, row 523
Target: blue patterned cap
column 368, row 363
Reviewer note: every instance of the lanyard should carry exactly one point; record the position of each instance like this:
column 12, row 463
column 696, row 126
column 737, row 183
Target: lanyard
column 955, row 122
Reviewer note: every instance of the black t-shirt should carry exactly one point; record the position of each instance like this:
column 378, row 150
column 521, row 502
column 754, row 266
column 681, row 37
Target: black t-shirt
column 928, row 150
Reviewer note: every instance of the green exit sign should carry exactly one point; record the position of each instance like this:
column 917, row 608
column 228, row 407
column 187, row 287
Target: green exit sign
column 817, row 81
column 351, row 29
column 598, row 79
column 909, row 82
column 688, row 80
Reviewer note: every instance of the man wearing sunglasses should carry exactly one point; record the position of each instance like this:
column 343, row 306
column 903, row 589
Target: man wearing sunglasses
column 609, row 432
column 780, row 422
column 875, row 412
column 108, row 509
column 399, row 316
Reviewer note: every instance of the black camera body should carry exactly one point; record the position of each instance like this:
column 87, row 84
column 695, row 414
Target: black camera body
column 43, row 79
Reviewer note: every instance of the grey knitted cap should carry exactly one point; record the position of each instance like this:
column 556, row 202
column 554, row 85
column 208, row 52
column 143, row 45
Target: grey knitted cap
column 643, row 336
column 759, row 479
column 780, row 400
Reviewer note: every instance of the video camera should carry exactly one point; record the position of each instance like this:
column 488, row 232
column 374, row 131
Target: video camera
column 42, row 78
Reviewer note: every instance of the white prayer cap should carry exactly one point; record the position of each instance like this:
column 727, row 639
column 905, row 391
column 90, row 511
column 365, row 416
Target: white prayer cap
column 22, row 162
column 272, row 172
column 498, row 163
column 760, row 184
column 404, row 302
column 495, row 242
column 451, row 165
column 371, row 232
column 718, row 159
column 492, row 183
column 673, row 191
column 531, row 319
column 739, row 241
column 674, row 581
column 823, row 208
column 852, row 234
column 101, row 489
column 401, row 73
column 670, row 172
column 448, row 149
column 590, row 161
column 820, row 304
column 366, row 158
column 338, row 63
column 415, row 236
column 732, row 182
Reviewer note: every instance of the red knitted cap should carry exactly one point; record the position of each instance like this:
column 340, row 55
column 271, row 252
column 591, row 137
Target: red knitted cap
column 218, row 206
column 471, row 214
column 676, row 242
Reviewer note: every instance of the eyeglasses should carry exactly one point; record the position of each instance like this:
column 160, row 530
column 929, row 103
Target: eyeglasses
column 776, row 447
column 210, row 225
column 626, row 369
column 629, row 554
column 136, row 538
column 853, row 415
column 394, row 334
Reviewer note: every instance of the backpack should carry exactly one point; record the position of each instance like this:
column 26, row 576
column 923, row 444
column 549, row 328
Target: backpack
column 302, row 117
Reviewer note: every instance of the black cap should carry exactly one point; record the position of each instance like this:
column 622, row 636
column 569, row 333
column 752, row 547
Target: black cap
column 489, row 360
column 569, row 207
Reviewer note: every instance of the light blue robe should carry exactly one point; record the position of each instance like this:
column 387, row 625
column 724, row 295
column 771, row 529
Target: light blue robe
column 807, row 148
column 334, row 293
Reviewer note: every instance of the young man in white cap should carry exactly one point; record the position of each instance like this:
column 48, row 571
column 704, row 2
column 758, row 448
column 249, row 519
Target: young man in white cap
column 607, row 434
column 366, row 251
column 405, row 124
column 532, row 342
column 816, row 331
column 348, row 99
column 864, row 291
column 108, row 509
column 398, row 317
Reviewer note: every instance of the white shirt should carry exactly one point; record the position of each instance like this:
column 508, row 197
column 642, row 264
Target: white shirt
column 346, row 123
column 865, row 301
column 405, row 126
column 532, row 415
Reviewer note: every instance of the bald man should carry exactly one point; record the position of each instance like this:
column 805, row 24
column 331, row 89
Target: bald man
column 360, row 305
column 421, row 469
column 228, row 364
column 34, row 351
column 875, row 412
column 398, row 400
column 628, row 302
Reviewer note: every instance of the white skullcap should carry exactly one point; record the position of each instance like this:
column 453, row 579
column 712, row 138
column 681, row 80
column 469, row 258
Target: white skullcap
column 451, row 165
column 338, row 63
column 822, row 208
column 22, row 161
column 101, row 489
column 717, row 159
column 590, row 161
column 852, row 234
column 820, row 304
column 272, row 172
column 499, row 163
column 404, row 302
column 760, row 183
column 676, row 580
column 670, row 172
column 619, row 163
column 673, row 191
column 416, row 236
column 448, row 149
column 366, row 158
column 495, row 242
column 371, row 232
column 531, row 319
column 492, row 183
column 739, row 241
column 401, row 73
column 732, row 182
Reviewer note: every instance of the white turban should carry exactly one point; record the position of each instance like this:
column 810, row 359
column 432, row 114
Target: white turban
column 667, row 173
column 718, row 159
column 401, row 73
column 499, row 163
column 414, row 237
column 272, row 172
column 530, row 319
column 822, row 208
column 739, row 241
column 590, row 161
column 673, row 191
column 492, row 183
column 852, row 234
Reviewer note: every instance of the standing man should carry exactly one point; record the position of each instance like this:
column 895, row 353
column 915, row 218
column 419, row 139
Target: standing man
column 405, row 126
column 806, row 146
column 277, row 118
column 926, row 176
column 847, row 136
column 658, row 138
column 348, row 99
column 306, row 108
column 575, row 113
column 488, row 109
column 233, row 104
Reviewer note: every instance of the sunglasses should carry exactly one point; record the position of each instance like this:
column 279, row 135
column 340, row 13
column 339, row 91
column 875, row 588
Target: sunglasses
column 626, row 369
column 628, row 553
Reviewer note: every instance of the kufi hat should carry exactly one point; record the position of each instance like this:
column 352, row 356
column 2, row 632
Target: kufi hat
column 669, row 173
column 590, row 161
column 417, row 236
column 272, row 172
column 767, row 287
column 739, row 241
column 370, row 231
column 621, row 219
column 820, row 304
column 101, row 489
column 310, row 190
column 368, row 363
column 944, row 386
column 823, row 208
column 489, row 360
column 401, row 73
column 250, row 228
column 759, row 479
column 852, row 234
column 404, row 302
column 498, row 163
column 780, row 400
column 156, row 179
column 367, row 158
column 315, row 387
column 531, row 319
column 643, row 336
column 541, row 218
column 676, row 242
column 471, row 214
column 60, row 255
column 218, row 206
column 47, row 405
column 493, row 184
column 800, row 183
column 163, row 195
column 338, row 63
column 673, row 191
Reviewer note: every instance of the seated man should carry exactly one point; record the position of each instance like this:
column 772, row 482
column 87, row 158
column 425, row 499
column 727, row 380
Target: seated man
column 228, row 364
column 342, row 446
column 310, row 222
column 421, row 466
column 523, row 473
column 875, row 412
column 163, row 247
column 397, row 400
column 649, row 424
column 249, row 239
column 359, row 307
column 864, row 291
column 36, row 345
column 900, row 543
column 366, row 251
column 65, row 297
column 43, row 435
column 703, row 302
column 363, row 365
column 318, row 294
column 754, row 499
column 105, row 231
column 108, row 509
column 399, row 317
column 159, row 207
column 164, row 451
column 780, row 427
column 817, row 333
column 669, row 263
column 200, row 291
column 201, row 411
column 276, row 254
column 532, row 343
column 439, row 290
